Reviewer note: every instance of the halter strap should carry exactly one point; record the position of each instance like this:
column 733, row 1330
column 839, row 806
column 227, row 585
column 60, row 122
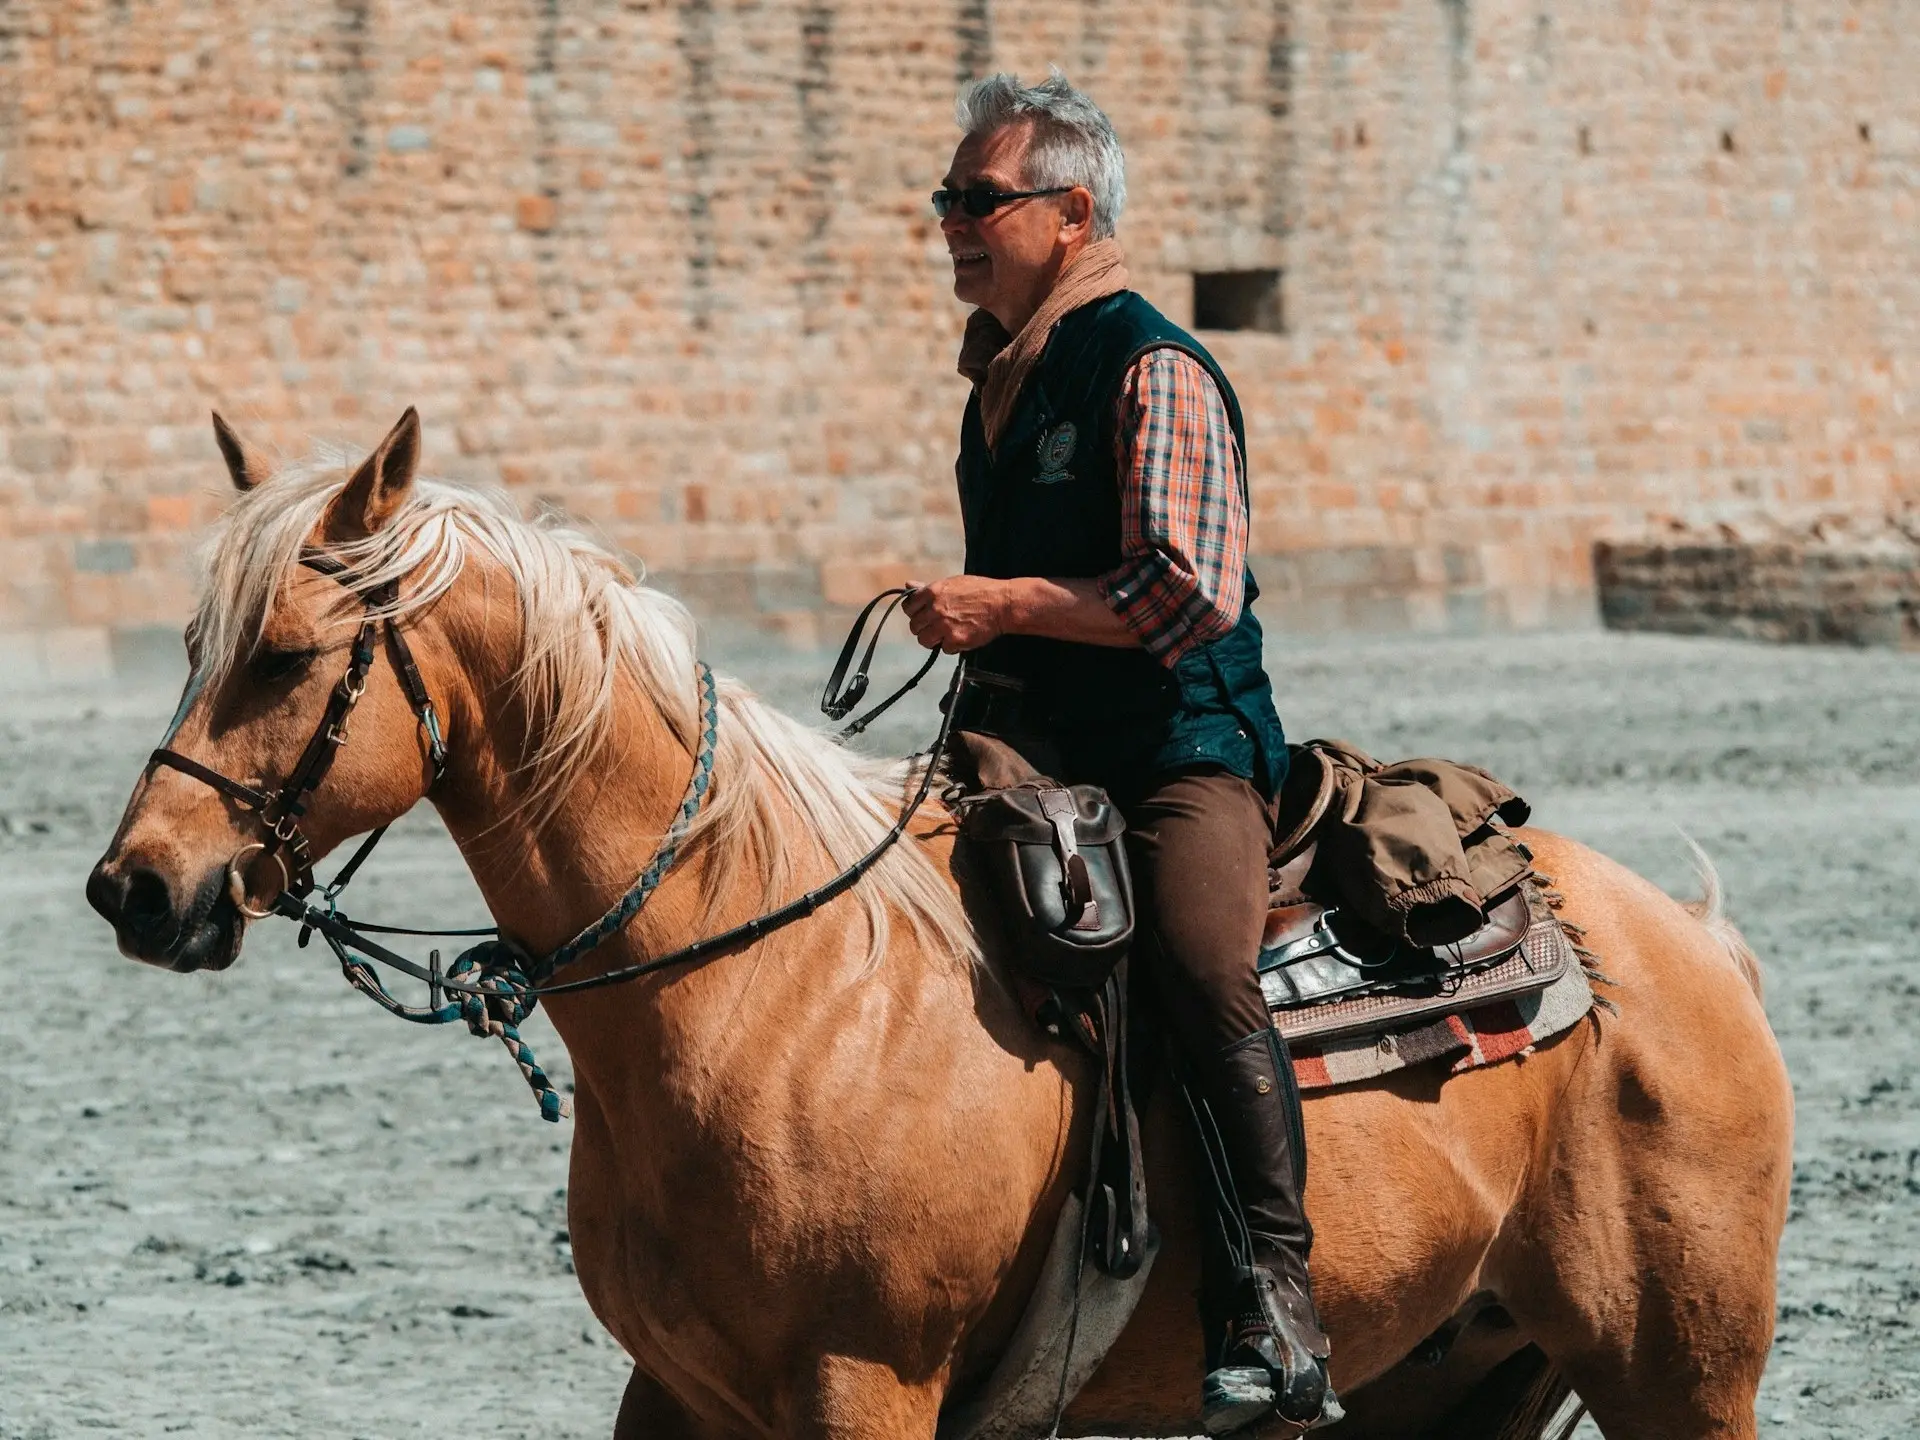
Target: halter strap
column 249, row 797
column 281, row 812
column 404, row 666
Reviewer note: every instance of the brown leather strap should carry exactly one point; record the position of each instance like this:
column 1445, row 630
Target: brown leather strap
column 317, row 759
column 408, row 671
column 1076, row 889
column 248, row 796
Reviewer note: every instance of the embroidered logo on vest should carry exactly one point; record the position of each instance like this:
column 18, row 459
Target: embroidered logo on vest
column 1056, row 449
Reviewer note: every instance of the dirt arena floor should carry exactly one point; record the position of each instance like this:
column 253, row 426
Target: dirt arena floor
column 252, row 1205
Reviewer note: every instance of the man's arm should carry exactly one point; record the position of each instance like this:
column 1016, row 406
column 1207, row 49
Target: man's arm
column 1181, row 582
column 1183, row 523
column 964, row 612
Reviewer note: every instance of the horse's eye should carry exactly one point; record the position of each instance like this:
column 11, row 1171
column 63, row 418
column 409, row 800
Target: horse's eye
column 271, row 665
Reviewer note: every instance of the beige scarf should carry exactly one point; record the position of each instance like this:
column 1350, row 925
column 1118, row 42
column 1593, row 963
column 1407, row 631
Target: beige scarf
column 998, row 364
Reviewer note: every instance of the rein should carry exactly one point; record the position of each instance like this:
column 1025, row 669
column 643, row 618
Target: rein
column 496, row 984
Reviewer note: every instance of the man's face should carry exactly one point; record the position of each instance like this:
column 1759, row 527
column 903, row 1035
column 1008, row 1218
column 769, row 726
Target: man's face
column 1006, row 262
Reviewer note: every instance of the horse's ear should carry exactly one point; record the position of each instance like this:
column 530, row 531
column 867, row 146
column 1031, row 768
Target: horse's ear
column 246, row 468
column 380, row 484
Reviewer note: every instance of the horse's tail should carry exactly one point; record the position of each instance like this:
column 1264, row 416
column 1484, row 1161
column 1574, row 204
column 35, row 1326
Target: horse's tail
column 1707, row 910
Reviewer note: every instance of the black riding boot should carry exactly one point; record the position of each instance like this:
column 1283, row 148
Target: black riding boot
column 1266, row 1353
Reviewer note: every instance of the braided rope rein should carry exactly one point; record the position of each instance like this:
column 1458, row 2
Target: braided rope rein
column 499, row 1000
column 500, row 1013
column 496, row 993
column 629, row 904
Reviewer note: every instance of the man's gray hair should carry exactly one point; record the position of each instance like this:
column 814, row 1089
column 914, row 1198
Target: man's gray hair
column 1073, row 141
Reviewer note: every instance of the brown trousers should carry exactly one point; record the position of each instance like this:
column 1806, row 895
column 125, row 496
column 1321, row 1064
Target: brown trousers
column 1197, row 843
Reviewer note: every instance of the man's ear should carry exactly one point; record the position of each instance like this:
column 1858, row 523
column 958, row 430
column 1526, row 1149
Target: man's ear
column 379, row 486
column 1077, row 213
column 246, row 468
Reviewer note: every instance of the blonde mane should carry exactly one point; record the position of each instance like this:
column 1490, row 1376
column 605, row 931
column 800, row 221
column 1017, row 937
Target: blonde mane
column 788, row 800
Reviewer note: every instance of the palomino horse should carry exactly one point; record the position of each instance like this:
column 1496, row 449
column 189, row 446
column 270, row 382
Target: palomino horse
column 813, row 1180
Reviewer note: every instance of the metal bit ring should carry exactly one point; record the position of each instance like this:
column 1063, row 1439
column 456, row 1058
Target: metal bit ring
column 237, row 879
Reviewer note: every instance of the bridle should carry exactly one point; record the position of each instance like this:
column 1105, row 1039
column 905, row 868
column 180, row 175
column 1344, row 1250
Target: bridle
column 496, row 984
column 282, row 811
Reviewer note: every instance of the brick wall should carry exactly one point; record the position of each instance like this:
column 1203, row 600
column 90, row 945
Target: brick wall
column 1548, row 271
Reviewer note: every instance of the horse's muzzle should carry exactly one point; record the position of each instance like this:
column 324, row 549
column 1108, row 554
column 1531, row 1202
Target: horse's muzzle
column 156, row 926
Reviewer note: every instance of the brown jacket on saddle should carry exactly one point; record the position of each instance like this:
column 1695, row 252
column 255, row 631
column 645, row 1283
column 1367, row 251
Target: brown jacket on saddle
column 1409, row 848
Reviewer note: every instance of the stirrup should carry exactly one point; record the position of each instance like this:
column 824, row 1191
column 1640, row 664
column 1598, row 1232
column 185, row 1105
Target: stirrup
column 1234, row 1397
column 1268, row 1369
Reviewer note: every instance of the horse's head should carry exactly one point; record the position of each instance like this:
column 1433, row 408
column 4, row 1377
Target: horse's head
column 299, row 725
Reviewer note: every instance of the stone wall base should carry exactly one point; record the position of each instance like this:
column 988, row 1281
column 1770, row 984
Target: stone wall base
column 1854, row 589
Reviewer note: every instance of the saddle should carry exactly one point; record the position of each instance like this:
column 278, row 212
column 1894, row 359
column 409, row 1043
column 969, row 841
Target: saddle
column 1315, row 958
column 1051, row 860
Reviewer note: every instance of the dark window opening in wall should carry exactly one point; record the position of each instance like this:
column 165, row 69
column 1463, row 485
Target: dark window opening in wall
column 1238, row 300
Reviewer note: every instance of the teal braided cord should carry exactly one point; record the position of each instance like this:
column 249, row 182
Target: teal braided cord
column 552, row 1106
column 500, row 1011
column 656, row 871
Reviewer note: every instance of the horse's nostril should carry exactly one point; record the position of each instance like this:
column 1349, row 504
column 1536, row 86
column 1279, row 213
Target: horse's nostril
column 106, row 892
column 149, row 904
column 135, row 900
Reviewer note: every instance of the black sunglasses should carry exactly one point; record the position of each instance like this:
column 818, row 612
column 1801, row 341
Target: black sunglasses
column 980, row 201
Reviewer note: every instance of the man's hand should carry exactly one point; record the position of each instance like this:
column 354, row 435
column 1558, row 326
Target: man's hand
column 961, row 612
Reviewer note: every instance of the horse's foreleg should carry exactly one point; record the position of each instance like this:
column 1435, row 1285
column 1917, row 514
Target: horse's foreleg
column 856, row 1399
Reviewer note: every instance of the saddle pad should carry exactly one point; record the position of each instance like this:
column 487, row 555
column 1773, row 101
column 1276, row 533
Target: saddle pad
column 1486, row 1020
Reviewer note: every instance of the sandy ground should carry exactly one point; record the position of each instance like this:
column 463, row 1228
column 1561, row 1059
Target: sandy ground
column 252, row 1205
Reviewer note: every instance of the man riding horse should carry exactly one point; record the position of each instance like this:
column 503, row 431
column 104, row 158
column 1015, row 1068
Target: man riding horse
column 1103, row 490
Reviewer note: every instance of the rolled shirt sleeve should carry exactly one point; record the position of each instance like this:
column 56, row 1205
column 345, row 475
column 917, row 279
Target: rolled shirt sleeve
column 1181, row 581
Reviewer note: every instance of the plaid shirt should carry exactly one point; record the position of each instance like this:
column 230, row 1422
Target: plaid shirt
column 1183, row 510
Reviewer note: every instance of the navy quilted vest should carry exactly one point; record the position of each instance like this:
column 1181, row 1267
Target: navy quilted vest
column 1047, row 503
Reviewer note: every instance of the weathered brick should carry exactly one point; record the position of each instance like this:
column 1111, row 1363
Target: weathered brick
column 39, row 452
column 535, row 212
column 1529, row 297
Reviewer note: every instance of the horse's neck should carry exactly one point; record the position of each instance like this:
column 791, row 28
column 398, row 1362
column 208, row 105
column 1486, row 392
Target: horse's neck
column 545, row 884
column 548, row 871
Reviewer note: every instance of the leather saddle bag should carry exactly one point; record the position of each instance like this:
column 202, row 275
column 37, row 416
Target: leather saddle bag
column 1058, row 866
